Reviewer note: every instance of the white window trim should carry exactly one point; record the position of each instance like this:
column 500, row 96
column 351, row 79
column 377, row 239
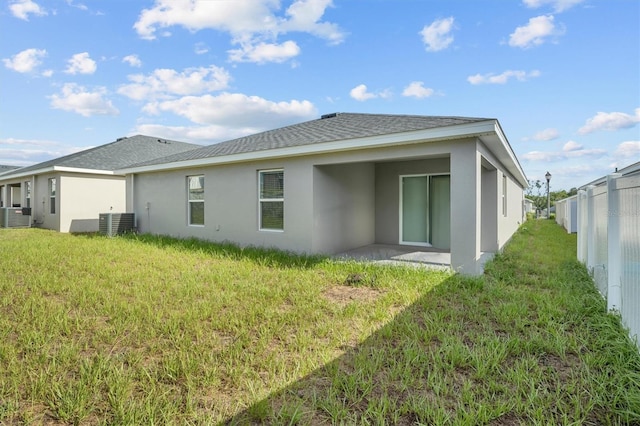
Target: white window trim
column 189, row 201
column 261, row 200
column 27, row 193
column 53, row 182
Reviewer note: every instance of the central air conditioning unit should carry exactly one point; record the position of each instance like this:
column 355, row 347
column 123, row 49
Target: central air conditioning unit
column 111, row 224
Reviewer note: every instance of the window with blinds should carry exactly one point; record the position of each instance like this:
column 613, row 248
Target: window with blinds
column 195, row 206
column 271, row 199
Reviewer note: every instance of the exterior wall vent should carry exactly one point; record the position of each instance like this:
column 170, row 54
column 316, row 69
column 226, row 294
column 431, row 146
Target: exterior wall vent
column 111, row 224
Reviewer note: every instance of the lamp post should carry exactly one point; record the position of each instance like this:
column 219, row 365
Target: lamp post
column 548, row 177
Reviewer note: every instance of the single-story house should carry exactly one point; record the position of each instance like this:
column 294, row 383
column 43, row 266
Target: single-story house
column 341, row 182
column 67, row 194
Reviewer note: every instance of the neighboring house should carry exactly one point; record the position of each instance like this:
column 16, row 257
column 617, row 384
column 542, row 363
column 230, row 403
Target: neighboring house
column 67, row 194
column 529, row 206
column 342, row 182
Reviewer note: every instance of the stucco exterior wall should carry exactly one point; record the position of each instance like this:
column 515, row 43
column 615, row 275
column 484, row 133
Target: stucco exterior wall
column 489, row 202
column 81, row 199
column 231, row 204
column 465, row 207
column 509, row 223
column 388, row 193
column 343, row 207
column 41, row 202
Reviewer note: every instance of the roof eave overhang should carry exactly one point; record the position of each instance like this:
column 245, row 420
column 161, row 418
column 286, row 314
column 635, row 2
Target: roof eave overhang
column 499, row 145
column 487, row 130
column 53, row 169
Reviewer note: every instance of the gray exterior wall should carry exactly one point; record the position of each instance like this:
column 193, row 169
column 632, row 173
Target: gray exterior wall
column 344, row 207
column 41, row 202
column 231, row 205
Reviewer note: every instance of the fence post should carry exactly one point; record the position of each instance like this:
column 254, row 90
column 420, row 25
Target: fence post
column 582, row 217
column 591, row 228
column 614, row 291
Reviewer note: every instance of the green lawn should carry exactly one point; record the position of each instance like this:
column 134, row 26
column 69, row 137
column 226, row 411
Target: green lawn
column 150, row 330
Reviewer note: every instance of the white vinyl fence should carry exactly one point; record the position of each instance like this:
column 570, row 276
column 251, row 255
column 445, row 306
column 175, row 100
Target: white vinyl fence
column 567, row 214
column 609, row 244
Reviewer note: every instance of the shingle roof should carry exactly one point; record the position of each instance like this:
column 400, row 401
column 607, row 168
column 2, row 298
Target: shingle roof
column 332, row 127
column 114, row 155
column 5, row 168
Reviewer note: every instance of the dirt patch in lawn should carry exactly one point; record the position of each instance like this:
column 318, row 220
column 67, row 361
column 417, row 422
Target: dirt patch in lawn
column 342, row 295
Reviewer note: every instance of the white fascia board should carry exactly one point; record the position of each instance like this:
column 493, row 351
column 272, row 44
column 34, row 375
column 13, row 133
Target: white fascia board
column 85, row 171
column 30, row 173
column 52, row 169
column 502, row 149
column 395, row 139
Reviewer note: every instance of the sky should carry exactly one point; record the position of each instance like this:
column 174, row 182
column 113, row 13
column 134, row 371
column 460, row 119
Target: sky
column 561, row 76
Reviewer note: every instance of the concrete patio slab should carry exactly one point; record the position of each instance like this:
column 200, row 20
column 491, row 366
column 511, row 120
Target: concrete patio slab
column 400, row 255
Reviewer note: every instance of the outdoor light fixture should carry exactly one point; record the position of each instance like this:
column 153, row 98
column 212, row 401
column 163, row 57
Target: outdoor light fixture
column 548, row 177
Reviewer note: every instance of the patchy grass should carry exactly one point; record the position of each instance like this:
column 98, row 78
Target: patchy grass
column 143, row 330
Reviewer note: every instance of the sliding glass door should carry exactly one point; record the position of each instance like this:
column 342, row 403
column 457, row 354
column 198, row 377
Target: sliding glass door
column 425, row 210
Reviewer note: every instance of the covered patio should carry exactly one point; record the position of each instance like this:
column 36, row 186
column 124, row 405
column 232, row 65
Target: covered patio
column 390, row 254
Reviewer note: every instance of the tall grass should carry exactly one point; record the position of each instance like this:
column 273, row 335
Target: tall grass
column 154, row 330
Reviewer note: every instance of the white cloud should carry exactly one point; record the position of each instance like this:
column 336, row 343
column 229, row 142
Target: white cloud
column 610, row 121
column 206, row 134
column 572, row 146
column 200, row 48
column 264, row 52
column 361, row 93
column 502, row 78
column 571, row 149
column 546, row 135
column 132, row 60
column 251, row 23
column 24, row 152
column 77, row 99
column 81, row 63
column 23, row 8
column 417, row 90
column 437, row 35
column 26, row 61
column 77, row 5
column 535, row 33
column 628, row 149
column 162, row 83
column 234, row 110
column 558, row 5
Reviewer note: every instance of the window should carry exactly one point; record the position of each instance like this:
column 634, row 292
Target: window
column 195, row 186
column 27, row 190
column 52, row 195
column 504, row 195
column 271, row 195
